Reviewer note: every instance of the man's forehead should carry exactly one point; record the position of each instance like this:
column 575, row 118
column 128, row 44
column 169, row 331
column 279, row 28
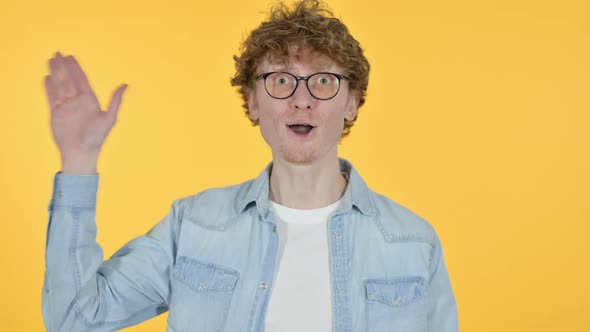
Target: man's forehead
column 313, row 59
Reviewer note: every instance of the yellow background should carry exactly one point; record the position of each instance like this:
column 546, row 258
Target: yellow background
column 477, row 119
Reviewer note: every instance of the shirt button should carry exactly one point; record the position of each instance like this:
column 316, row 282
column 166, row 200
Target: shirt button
column 264, row 285
column 336, row 235
column 398, row 300
column 60, row 194
column 202, row 286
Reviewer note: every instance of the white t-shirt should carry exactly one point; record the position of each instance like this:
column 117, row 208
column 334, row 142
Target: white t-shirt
column 301, row 298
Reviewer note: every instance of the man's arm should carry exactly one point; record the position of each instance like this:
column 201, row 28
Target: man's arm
column 80, row 291
column 442, row 307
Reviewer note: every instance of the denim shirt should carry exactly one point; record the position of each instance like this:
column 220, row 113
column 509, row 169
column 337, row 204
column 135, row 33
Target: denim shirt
column 211, row 262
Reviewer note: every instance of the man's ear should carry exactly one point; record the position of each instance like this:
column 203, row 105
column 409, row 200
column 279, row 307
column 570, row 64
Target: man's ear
column 352, row 106
column 253, row 106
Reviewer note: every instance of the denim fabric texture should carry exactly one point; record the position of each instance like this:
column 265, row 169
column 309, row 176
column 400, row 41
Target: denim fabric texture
column 211, row 262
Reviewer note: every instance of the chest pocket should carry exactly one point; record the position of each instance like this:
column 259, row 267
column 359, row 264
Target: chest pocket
column 201, row 295
column 396, row 304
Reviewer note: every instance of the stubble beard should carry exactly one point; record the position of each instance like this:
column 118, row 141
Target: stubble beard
column 298, row 154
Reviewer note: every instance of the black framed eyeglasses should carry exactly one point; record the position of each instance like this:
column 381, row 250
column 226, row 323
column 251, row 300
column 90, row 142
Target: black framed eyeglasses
column 282, row 85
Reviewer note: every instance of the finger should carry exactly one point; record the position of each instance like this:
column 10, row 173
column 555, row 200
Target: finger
column 51, row 91
column 55, row 92
column 60, row 92
column 77, row 74
column 113, row 109
column 62, row 76
column 68, row 84
column 53, row 66
column 51, row 79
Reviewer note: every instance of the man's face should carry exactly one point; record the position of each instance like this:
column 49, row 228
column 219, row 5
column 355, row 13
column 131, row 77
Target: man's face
column 282, row 120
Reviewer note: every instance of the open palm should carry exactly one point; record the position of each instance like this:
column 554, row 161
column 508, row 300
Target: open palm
column 78, row 124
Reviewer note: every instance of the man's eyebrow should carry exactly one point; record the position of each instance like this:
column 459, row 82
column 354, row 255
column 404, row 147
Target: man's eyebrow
column 319, row 66
column 323, row 63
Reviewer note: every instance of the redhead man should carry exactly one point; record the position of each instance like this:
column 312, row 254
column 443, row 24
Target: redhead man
column 305, row 246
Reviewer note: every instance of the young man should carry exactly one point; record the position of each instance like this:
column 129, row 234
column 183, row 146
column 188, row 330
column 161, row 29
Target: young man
column 306, row 246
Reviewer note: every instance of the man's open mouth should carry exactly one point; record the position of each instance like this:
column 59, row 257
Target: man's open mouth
column 301, row 128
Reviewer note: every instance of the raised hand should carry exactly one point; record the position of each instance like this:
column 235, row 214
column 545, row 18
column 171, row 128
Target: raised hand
column 78, row 124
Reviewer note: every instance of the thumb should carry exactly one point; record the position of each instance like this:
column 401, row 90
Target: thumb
column 116, row 100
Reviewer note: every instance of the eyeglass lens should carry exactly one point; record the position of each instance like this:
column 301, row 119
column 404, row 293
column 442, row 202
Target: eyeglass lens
column 321, row 85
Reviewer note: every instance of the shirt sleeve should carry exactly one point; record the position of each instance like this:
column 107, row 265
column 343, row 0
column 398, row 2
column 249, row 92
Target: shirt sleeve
column 442, row 306
column 83, row 293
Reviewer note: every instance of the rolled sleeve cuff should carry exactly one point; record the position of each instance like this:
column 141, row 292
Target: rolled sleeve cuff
column 74, row 190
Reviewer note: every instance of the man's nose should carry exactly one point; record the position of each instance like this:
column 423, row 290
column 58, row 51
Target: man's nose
column 302, row 99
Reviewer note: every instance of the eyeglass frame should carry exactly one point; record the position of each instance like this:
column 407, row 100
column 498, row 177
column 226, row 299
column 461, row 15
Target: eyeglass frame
column 302, row 78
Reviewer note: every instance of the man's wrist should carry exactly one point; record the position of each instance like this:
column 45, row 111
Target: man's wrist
column 80, row 165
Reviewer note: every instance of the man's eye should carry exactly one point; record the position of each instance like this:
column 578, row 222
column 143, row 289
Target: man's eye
column 324, row 80
column 282, row 79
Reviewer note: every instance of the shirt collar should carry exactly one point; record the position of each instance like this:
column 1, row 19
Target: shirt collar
column 357, row 192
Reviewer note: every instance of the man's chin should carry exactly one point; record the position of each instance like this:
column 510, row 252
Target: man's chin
column 302, row 157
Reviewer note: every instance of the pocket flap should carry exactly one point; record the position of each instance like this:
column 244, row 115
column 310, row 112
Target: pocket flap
column 204, row 277
column 395, row 291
